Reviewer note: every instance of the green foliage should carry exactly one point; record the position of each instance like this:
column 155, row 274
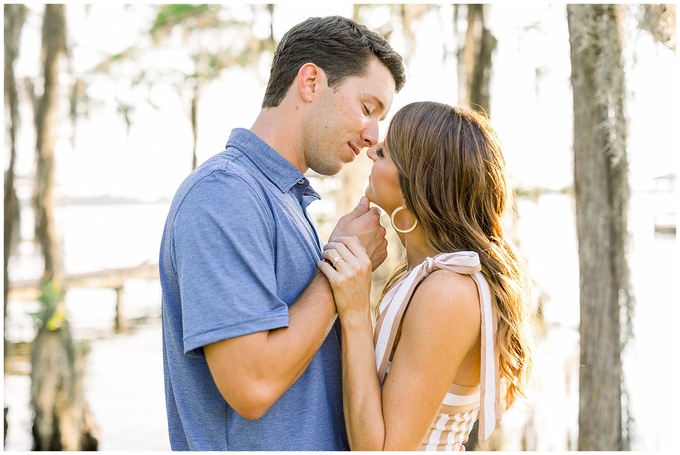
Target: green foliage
column 170, row 15
column 52, row 313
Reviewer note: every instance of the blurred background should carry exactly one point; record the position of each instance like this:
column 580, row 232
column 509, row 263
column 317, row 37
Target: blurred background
column 109, row 107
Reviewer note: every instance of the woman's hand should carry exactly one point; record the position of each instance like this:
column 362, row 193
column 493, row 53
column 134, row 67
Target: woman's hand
column 349, row 271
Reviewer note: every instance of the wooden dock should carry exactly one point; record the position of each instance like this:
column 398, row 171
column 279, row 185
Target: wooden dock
column 103, row 279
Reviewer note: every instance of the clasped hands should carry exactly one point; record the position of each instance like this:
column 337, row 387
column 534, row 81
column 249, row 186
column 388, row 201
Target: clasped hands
column 357, row 247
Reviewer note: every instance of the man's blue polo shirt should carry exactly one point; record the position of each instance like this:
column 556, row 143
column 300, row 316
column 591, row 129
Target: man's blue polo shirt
column 238, row 249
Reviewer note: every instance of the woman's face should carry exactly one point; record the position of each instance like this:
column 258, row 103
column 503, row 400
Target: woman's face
column 383, row 183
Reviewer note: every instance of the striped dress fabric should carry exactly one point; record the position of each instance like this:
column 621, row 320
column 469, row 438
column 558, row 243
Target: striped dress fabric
column 462, row 405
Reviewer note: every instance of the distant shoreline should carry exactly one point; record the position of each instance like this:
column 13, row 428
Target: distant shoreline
column 99, row 200
column 108, row 200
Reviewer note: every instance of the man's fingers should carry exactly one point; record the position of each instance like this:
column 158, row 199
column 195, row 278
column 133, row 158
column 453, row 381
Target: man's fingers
column 363, row 206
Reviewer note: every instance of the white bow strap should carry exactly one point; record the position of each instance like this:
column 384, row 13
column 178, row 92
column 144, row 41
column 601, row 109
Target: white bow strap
column 394, row 305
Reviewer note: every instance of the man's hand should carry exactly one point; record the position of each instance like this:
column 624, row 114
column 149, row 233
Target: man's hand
column 363, row 222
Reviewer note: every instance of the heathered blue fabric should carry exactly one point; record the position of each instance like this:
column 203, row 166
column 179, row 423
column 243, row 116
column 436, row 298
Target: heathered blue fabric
column 237, row 250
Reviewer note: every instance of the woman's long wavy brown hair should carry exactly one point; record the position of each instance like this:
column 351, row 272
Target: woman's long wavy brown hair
column 453, row 176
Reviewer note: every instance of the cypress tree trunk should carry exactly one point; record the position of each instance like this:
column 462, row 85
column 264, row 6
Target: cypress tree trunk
column 62, row 419
column 475, row 60
column 53, row 46
column 15, row 15
column 602, row 194
column 479, row 47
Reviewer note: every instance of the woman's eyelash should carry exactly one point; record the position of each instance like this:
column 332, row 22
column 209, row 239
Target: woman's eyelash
column 379, row 152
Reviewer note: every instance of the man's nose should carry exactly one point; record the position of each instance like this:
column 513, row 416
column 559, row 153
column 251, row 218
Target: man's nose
column 370, row 135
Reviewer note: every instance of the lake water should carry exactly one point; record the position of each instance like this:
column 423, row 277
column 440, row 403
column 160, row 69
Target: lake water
column 124, row 385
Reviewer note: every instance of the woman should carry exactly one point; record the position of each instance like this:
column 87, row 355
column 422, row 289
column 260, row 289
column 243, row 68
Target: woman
column 453, row 317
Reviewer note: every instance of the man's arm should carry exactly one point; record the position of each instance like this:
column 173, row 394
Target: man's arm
column 253, row 371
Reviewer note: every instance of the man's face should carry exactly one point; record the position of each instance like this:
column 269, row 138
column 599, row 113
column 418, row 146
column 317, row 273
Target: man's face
column 345, row 119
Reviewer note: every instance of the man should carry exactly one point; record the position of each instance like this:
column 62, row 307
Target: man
column 250, row 345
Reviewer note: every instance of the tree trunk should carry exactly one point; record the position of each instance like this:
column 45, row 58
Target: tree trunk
column 15, row 15
column 475, row 61
column 53, row 46
column 409, row 14
column 602, row 194
column 62, row 419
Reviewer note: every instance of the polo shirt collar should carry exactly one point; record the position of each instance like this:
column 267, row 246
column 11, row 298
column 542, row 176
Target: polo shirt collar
column 270, row 162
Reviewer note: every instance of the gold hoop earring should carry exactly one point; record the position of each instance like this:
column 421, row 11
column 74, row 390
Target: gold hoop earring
column 401, row 231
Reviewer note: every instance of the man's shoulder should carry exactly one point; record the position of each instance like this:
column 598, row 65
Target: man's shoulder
column 227, row 169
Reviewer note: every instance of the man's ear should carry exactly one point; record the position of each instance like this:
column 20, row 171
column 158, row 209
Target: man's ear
column 310, row 79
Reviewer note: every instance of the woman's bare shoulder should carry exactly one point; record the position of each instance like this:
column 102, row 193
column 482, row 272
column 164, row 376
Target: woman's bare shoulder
column 451, row 297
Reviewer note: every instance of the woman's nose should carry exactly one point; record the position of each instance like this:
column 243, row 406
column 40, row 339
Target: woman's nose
column 371, row 152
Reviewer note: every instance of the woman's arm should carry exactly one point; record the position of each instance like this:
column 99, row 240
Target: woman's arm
column 439, row 344
column 440, row 332
column 351, row 281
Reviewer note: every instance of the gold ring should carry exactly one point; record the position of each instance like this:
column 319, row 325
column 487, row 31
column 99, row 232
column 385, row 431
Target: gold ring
column 335, row 261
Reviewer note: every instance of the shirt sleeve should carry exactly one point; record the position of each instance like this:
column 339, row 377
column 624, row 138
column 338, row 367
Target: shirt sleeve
column 225, row 261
